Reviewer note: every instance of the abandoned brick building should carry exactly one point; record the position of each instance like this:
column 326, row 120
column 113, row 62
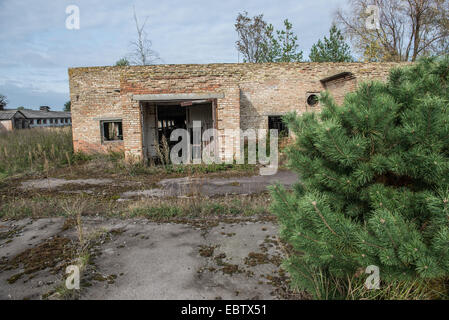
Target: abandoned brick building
column 129, row 108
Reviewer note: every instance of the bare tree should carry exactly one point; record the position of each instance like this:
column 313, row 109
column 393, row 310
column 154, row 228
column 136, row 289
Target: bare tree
column 142, row 54
column 3, row 102
column 407, row 28
column 252, row 35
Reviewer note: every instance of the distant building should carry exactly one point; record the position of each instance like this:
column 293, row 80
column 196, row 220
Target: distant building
column 23, row 119
column 46, row 118
column 12, row 119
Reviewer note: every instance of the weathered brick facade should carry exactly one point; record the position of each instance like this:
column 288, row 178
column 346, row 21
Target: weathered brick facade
column 249, row 93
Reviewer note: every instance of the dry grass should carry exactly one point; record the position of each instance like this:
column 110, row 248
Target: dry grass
column 156, row 209
column 328, row 287
column 49, row 151
column 418, row 289
column 34, row 150
column 198, row 207
column 114, row 163
column 74, row 210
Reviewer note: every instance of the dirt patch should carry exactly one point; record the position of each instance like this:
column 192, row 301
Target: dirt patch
column 101, row 278
column 54, row 183
column 9, row 234
column 226, row 268
column 69, row 223
column 230, row 268
column 207, row 251
column 255, row 259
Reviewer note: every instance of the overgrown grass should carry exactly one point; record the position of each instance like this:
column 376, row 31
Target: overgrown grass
column 74, row 210
column 41, row 150
column 38, row 149
column 151, row 208
column 115, row 163
column 42, row 206
column 160, row 209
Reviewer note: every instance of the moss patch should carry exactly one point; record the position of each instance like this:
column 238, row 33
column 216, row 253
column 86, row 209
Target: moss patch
column 207, row 251
column 54, row 253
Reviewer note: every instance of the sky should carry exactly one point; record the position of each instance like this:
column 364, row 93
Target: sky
column 36, row 48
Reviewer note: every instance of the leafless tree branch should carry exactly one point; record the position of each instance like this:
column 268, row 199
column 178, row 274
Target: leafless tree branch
column 142, row 53
column 408, row 28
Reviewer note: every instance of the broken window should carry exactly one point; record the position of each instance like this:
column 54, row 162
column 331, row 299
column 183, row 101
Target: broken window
column 112, row 130
column 275, row 122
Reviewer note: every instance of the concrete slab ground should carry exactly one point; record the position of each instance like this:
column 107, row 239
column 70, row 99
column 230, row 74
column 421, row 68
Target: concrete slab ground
column 174, row 187
column 140, row 259
column 216, row 186
column 17, row 237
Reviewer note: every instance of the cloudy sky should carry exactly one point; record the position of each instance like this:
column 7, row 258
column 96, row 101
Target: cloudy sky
column 36, row 48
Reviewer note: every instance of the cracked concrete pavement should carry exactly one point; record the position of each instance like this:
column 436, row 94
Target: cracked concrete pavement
column 146, row 260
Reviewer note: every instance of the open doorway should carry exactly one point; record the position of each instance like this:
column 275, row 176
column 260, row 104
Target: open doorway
column 170, row 118
column 160, row 119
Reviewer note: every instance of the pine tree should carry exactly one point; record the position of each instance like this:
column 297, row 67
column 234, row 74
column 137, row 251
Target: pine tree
column 334, row 49
column 282, row 47
column 374, row 181
column 3, row 101
column 68, row 106
column 123, row 62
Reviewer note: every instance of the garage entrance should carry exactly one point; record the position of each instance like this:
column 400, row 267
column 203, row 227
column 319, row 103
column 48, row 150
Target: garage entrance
column 161, row 118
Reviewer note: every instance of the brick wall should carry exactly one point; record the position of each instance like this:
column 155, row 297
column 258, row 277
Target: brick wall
column 339, row 86
column 95, row 95
column 252, row 92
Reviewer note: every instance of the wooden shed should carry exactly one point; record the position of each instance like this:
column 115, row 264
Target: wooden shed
column 12, row 119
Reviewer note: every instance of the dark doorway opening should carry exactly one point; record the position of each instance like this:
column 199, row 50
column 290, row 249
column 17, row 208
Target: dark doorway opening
column 275, row 122
column 160, row 119
column 170, row 118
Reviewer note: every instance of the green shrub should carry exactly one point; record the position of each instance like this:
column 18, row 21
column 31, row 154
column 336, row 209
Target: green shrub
column 80, row 157
column 374, row 183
